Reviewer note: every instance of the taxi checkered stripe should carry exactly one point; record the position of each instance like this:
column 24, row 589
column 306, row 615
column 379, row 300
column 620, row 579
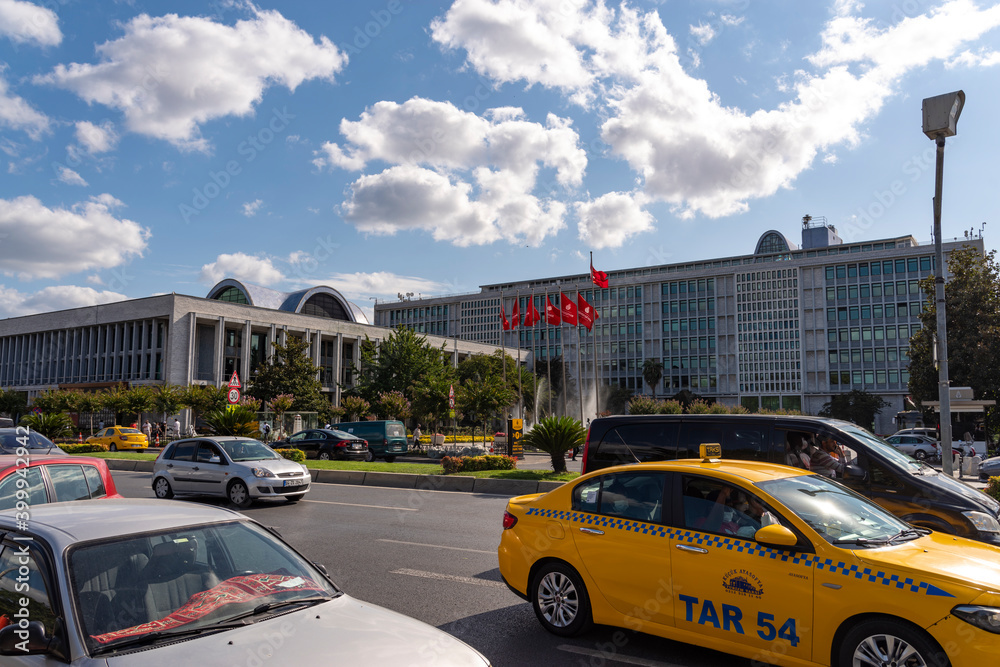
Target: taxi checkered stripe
column 743, row 546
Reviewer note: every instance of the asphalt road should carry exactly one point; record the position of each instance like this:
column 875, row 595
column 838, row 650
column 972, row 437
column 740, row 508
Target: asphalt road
column 432, row 555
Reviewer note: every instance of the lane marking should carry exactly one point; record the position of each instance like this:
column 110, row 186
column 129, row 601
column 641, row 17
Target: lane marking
column 614, row 657
column 436, row 546
column 450, row 577
column 381, row 507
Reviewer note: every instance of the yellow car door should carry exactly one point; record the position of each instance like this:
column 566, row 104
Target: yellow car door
column 726, row 586
column 623, row 543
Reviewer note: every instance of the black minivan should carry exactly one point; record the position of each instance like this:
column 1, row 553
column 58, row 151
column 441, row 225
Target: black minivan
column 911, row 490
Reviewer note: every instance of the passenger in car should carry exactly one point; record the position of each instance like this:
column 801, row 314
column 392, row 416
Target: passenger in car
column 796, row 455
column 821, row 462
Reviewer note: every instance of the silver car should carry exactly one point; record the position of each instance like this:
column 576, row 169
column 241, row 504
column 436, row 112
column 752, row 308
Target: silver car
column 919, row 447
column 134, row 583
column 237, row 468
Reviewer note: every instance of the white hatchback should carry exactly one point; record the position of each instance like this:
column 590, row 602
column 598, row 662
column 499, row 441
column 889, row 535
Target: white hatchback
column 237, row 468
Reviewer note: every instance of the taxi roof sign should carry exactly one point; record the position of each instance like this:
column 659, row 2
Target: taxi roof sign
column 710, row 451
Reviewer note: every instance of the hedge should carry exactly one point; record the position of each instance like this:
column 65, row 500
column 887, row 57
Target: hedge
column 453, row 464
column 83, row 448
column 296, row 455
column 993, row 488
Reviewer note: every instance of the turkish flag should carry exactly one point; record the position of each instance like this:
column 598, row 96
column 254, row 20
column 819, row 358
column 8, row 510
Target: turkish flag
column 531, row 315
column 586, row 314
column 600, row 278
column 503, row 319
column 568, row 309
column 515, row 315
column 551, row 313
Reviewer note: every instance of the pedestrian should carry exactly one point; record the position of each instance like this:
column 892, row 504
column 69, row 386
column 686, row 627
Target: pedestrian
column 177, row 427
column 100, row 425
column 327, row 427
column 147, row 428
column 416, row 437
column 266, row 430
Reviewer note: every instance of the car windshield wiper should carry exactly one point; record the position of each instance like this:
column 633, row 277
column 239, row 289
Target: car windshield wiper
column 862, row 541
column 157, row 635
column 271, row 606
column 909, row 533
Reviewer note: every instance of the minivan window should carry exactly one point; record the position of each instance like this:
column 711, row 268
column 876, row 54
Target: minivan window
column 395, row 430
column 638, row 442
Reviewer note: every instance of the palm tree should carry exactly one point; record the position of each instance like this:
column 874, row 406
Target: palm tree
column 167, row 400
column 652, row 373
column 556, row 436
column 238, row 420
column 50, row 424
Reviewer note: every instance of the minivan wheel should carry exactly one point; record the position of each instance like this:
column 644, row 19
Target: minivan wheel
column 886, row 641
column 161, row 487
column 560, row 600
column 390, row 459
column 239, row 494
column 369, row 456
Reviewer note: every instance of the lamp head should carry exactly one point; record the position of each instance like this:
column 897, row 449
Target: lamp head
column 941, row 114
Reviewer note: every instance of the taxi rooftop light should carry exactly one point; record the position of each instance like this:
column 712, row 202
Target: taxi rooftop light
column 710, row 452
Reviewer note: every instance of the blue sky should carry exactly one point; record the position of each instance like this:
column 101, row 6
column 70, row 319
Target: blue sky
column 432, row 147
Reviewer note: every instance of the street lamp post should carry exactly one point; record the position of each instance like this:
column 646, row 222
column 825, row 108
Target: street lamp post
column 940, row 115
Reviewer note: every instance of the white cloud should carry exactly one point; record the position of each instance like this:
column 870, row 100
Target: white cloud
column 41, row 242
column 24, row 22
column 170, row 74
column 730, row 20
column 611, row 219
column 250, row 208
column 70, row 177
column 380, row 283
column 240, row 266
column 703, row 32
column 17, row 114
column 476, row 176
column 14, row 303
column 97, row 138
column 984, row 58
column 691, row 151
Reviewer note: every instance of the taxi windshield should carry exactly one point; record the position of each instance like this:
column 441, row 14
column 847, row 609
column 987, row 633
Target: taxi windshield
column 159, row 585
column 838, row 514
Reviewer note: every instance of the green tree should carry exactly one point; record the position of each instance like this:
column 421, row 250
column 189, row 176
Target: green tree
column 652, row 373
column 556, row 436
column 85, row 402
column 50, row 424
column 972, row 309
column 140, row 399
column 13, row 403
column 116, row 400
column 167, row 400
column 52, row 400
column 856, row 406
column 482, row 399
column 203, row 399
column 238, row 420
column 279, row 405
column 291, row 371
column 393, row 405
column 355, row 408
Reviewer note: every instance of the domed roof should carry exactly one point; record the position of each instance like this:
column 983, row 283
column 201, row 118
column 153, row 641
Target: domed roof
column 321, row 301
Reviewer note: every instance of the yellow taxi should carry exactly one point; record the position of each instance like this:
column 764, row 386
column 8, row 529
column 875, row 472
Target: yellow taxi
column 120, row 438
column 759, row 560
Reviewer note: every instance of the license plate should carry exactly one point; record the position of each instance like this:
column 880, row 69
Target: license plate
column 294, row 482
column 355, row 446
column 396, row 449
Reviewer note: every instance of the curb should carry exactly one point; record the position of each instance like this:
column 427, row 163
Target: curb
column 496, row 487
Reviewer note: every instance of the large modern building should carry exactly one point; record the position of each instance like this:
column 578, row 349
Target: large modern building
column 787, row 326
column 183, row 340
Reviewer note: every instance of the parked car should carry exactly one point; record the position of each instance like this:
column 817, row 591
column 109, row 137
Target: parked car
column 139, row 582
column 968, row 448
column 6, row 422
column 990, row 468
column 13, row 438
column 326, row 444
column 46, row 478
column 911, row 490
column 919, row 447
column 754, row 559
column 386, row 439
column 237, row 468
column 120, row 437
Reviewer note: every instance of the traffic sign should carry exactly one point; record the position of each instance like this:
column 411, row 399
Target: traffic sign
column 234, row 382
column 234, row 395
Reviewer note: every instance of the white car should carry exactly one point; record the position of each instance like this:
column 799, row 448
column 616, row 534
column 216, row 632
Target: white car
column 237, row 468
column 140, row 582
column 976, row 447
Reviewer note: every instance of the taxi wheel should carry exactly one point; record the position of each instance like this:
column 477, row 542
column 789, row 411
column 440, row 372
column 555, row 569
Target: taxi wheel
column 560, row 600
column 161, row 487
column 886, row 641
column 113, row 447
column 239, row 495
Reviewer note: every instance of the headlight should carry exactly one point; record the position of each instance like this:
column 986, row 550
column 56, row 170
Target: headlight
column 984, row 523
column 987, row 618
column 264, row 472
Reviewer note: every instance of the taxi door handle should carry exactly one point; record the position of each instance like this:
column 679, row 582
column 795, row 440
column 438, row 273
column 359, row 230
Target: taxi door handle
column 694, row 550
column 592, row 531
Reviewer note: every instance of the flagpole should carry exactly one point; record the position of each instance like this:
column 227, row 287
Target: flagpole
column 503, row 340
column 548, row 351
column 534, row 360
column 597, row 395
column 579, row 364
column 520, row 391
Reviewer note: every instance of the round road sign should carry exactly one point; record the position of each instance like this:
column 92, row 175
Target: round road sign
column 234, row 396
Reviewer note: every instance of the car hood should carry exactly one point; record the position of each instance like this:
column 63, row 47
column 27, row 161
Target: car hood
column 950, row 565
column 962, row 490
column 277, row 466
column 343, row 631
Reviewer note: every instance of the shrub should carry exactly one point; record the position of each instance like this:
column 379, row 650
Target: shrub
column 993, row 488
column 699, row 407
column 643, row 405
column 453, row 464
column 671, row 407
column 718, row 409
column 296, row 455
column 84, row 448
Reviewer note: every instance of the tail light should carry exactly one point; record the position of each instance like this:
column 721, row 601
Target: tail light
column 509, row 520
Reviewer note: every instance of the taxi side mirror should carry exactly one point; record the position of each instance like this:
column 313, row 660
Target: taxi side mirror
column 776, row 535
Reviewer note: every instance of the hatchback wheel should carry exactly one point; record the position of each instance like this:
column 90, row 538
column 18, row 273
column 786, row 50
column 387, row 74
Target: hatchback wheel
column 161, row 487
column 238, row 494
column 887, row 641
column 560, row 600
column 920, row 455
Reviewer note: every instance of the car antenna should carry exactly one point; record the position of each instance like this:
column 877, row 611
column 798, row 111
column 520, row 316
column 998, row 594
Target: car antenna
column 627, row 447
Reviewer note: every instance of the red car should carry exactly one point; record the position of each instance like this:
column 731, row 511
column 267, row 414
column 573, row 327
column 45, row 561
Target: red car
column 52, row 479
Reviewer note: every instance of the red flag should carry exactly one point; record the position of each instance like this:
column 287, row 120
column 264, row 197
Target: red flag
column 587, row 314
column 568, row 309
column 600, row 278
column 503, row 319
column 531, row 314
column 551, row 313
column 515, row 315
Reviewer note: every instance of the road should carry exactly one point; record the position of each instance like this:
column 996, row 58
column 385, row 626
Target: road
column 432, row 555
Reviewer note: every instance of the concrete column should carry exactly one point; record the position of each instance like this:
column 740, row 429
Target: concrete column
column 245, row 353
column 220, row 349
column 338, row 350
column 192, row 347
column 271, row 338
